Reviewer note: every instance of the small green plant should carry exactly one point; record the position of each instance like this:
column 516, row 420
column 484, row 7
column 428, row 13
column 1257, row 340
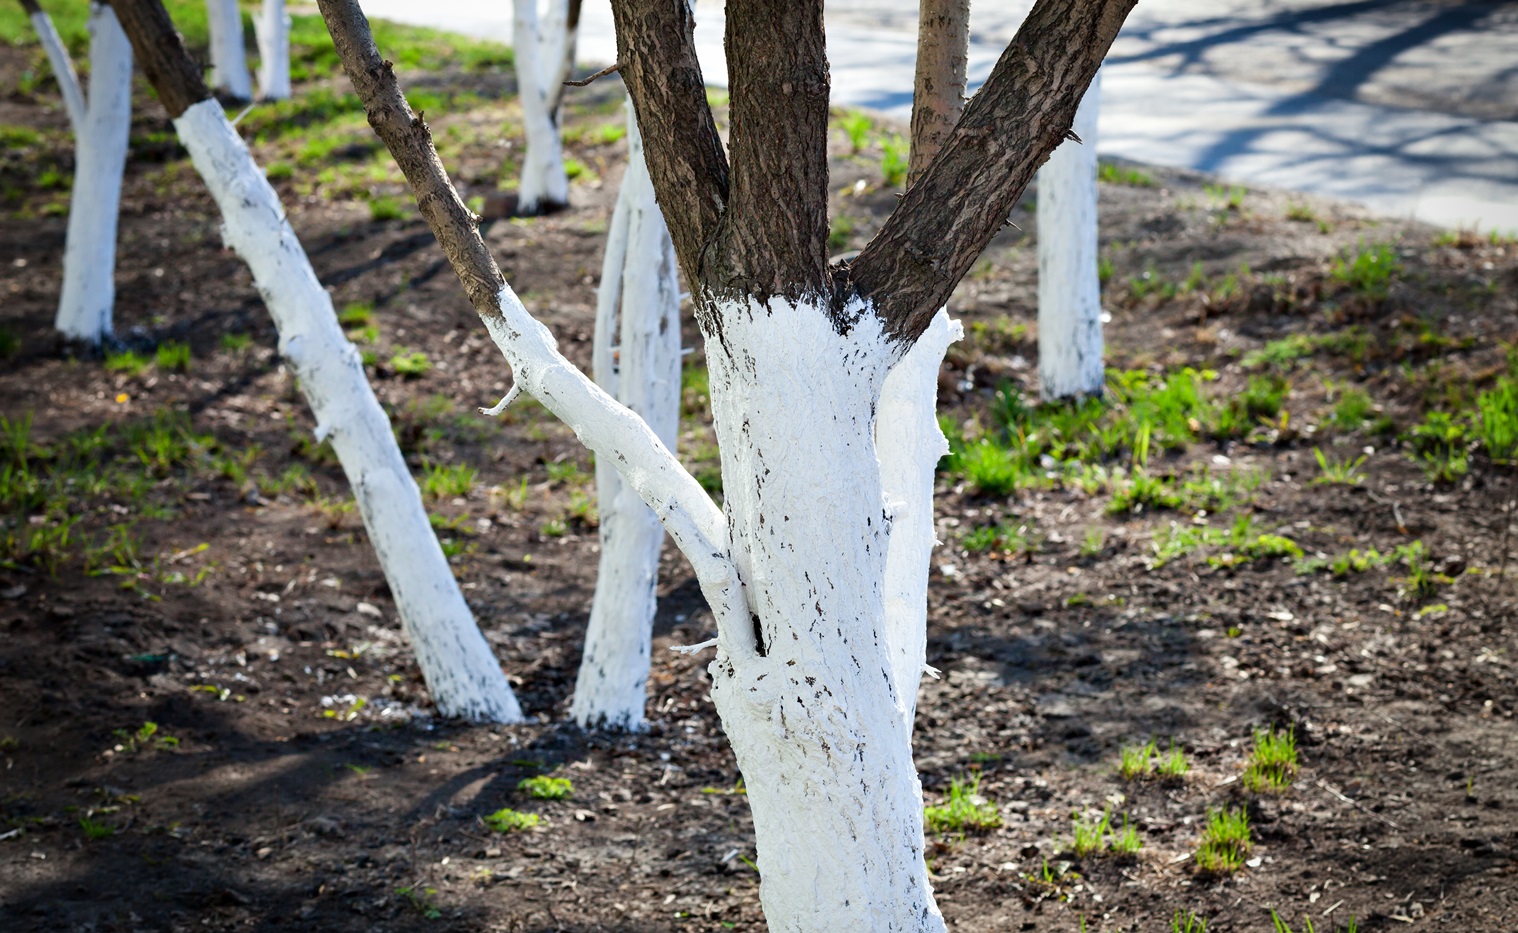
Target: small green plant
column 1225, row 197
column 1497, row 427
column 356, row 314
column 1272, row 764
column 1440, row 442
column 1190, row 924
column 1338, row 472
column 1094, row 542
column 236, row 341
column 96, row 829
column 1369, row 272
column 893, row 161
column 1142, row 491
column 1172, row 765
column 1422, row 581
column 1135, row 761
column 411, row 363
column 1123, row 175
column 857, row 126
column 1126, row 841
column 447, row 481
column 173, row 357
column 963, row 810
column 543, row 787
column 144, row 736
column 386, row 208
column 1281, row 926
column 126, row 362
column 1226, row 841
column 1089, row 834
column 507, row 820
column 423, row 901
column 991, row 468
column 554, row 528
column 1352, row 410
column 1001, row 539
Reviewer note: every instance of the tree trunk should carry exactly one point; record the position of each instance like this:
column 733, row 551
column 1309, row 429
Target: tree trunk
column 1069, row 289
column 63, row 66
column 938, row 88
column 229, row 61
column 271, row 27
column 89, row 260
column 538, row 49
column 461, row 672
column 563, row 54
column 638, row 310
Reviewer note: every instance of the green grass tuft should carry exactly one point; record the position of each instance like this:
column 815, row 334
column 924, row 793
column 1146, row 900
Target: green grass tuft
column 963, row 810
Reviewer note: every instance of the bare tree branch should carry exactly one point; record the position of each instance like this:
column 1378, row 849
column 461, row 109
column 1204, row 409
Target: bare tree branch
column 586, row 82
column 938, row 90
column 657, row 50
column 160, row 48
column 1008, row 129
column 774, row 241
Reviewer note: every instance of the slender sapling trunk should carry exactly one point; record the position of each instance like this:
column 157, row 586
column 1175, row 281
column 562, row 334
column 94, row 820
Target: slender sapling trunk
column 229, row 60
column 271, row 27
column 539, row 51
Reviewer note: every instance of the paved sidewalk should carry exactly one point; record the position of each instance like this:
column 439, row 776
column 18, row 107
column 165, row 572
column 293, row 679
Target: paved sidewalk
column 1294, row 94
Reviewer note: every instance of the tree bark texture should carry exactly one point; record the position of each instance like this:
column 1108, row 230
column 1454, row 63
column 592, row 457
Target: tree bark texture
column 271, row 27
column 1069, row 289
column 229, row 60
column 88, row 296
column 636, row 357
column 161, row 51
column 461, row 671
column 938, row 88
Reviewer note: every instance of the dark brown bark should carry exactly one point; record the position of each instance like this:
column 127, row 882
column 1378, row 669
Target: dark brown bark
column 938, row 89
column 774, row 240
column 1023, row 111
column 161, row 51
column 657, row 52
column 31, row 7
column 410, row 143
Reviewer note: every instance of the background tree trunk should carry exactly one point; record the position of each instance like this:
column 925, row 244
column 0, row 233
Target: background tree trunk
column 938, row 87
column 88, row 295
column 271, row 27
column 539, row 50
column 62, row 65
column 1069, row 288
column 229, row 60
column 637, row 361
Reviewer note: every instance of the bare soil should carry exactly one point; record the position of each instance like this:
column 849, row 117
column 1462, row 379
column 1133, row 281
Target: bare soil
column 288, row 805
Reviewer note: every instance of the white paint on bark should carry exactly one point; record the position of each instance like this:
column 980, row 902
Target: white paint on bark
column 1069, row 291
column 100, row 148
column 271, row 27
column 229, row 60
column 814, row 717
column 63, row 70
column 909, row 444
column 539, row 51
column 636, row 358
column 461, row 672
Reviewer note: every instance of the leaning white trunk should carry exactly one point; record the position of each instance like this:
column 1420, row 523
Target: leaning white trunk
column 910, row 443
column 100, row 149
column 638, row 310
column 1069, row 290
column 544, row 185
column 229, row 61
column 815, row 714
column 461, row 672
column 271, row 27
column 63, row 70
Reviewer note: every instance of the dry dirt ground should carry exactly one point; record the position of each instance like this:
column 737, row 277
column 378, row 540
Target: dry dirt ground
column 215, row 582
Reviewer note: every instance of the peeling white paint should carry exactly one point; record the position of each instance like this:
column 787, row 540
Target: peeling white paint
column 638, row 310
column 229, row 62
column 1069, row 292
column 271, row 27
column 88, row 294
column 539, row 51
column 460, row 669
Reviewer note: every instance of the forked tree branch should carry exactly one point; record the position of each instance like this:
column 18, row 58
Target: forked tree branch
column 938, row 89
column 160, row 48
column 657, row 51
column 1018, row 117
column 608, row 428
column 774, row 241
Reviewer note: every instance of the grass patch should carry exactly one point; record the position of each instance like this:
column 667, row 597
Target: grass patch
column 507, row 820
column 1273, row 762
column 543, row 787
column 1123, row 175
column 1368, row 272
column 447, row 481
column 963, row 809
column 411, row 363
column 1226, row 841
column 172, row 357
column 1338, row 472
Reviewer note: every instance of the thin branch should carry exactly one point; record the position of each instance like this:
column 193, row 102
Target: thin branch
column 1008, row 129
column 938, row 90
column 585, row 82
column 607, row 428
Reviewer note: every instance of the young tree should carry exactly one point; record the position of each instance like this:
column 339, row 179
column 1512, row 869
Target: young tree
column 544, row 52
column 271, row 27
column 229, row 60
column 636, row 360
column 462, row 674
column 1069, row 287
column 813, row 673
column 102, row 125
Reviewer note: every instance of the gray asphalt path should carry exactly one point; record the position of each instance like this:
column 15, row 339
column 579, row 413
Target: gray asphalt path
column 1410, row 108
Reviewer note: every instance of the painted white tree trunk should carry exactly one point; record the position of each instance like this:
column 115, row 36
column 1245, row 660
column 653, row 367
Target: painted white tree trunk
column 63, row 70
column 100, row 149
column 461, row 672
column 539, row 52
column 272, row 30
column 636, row 359
column 560, row 42
column 229, row 61
column 1069, row 291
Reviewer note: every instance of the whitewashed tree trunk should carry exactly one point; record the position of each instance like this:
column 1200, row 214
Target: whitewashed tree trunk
column 88, row 294
column 818, row 715
column 562, row 30
column 271, row 27
column 461, row 672
column 1069, row 290
column 539, row 52
column 229, row 61
column 636, row 359
column 63, row 69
